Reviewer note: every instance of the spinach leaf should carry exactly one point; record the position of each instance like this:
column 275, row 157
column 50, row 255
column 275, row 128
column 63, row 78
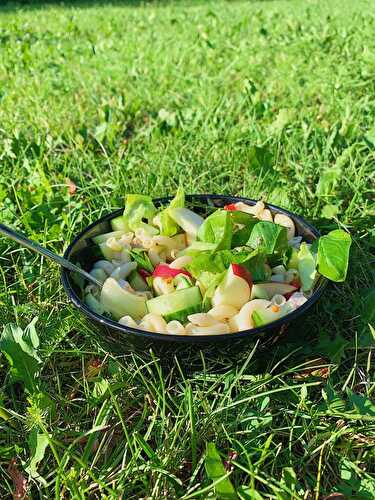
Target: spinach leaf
column 271, row 237
column 243, row 225
column 333, row 255
column 217, row 228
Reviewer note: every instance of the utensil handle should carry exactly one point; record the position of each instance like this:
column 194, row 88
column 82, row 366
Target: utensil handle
column 35, row 247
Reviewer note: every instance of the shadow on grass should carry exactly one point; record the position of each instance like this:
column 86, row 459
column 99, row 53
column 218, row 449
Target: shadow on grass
column 8, row 6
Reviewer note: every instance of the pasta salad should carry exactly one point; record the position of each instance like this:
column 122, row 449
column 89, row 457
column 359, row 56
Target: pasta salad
column 172, row 271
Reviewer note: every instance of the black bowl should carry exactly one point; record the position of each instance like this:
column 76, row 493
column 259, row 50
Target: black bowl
column 121, row 338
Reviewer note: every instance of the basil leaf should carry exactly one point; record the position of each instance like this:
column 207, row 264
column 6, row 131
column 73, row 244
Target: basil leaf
column 217, row 228
column 333, row 255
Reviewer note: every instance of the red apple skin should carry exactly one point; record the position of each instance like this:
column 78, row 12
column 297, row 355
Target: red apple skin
column 243, row 273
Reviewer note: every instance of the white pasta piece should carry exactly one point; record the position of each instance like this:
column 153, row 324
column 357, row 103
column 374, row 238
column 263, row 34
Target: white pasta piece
column 99, row 274
column 125, row 256
column 175, row 328
column 296, row 300
column 278, row 270
column 105, row 265
column 211, row 330
column 124, row 270
column 243, row 320
column 284, row 220
column 181, row 262
column 256, row 209
column 278, row 278
column 202, row 319
column 266, row 215
column 278, row 300
column 126, row 239
column 114, row 245
column 146, row 326
column 174, row 253
column 142, row 239
column 162, row 286
column 223, row 312
column 189, row 329
column 156, row 321
column 154, row 256
column 128, row 321
column 126, row 285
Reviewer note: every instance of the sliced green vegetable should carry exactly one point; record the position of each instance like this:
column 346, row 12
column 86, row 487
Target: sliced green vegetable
column 177, row 305
column 188, row 220
column 137, row 282
column 182, row 281
column 119, row 302
column 306, row 267
column 333, row 255
column 217, row 229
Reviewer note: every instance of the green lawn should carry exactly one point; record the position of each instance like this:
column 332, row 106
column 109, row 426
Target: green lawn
column 272, row 99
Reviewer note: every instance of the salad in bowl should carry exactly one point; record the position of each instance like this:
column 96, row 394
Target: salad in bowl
column 169, row 270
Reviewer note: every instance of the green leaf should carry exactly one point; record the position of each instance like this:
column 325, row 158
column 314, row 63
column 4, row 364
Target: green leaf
column 361, row 403
column 331, row 348
column 328, row 181
column 38, row 443
column 333, row 255
column 215, row 471
column 217, row 228
column 248, row 493
column 142, row 259
column 20, row 350
column 243, row 225
column 271, row 237
column 137, row 208
column 168, row 226
column 330, row 211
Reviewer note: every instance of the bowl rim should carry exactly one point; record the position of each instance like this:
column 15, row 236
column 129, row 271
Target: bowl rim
column 196, row 338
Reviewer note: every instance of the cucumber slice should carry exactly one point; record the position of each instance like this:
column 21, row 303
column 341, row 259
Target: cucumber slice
column 137, row 282
column 120, row 302
column 108, row 253
column 177, row 305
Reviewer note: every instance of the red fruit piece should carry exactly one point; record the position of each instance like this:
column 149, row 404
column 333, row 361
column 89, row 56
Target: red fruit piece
column 242, row 272
column 164, row 271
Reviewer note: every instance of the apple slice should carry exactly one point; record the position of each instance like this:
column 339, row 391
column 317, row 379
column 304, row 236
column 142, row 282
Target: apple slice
column 268, row 290
column 232, row 291
column 242, row 272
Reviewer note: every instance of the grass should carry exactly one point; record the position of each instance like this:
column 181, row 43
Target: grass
column 271, row 99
